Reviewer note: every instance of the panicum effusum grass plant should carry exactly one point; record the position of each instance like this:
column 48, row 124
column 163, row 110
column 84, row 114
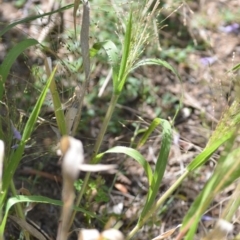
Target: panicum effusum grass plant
column 123, row 59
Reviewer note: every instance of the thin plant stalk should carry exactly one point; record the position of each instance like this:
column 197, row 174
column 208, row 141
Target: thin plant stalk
column 84, row 37
column 98, row 143
column 159, row 202
column 103, row 129
column 18, row 208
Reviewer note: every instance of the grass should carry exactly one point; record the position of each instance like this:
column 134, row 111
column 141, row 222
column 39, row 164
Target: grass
column 125, row 55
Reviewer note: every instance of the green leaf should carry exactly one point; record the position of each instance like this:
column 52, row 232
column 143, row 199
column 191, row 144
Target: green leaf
column 154, row 61
column 224, row 131
column 112, row 53
column 132, row 153
column 35, row 199
column 235, row 68
column 122, row 75
column 160, row 166
column 114, row 59
column 59, row 113
column 227, row 171
column 15, row 158
column 11, row 58
column 148, row 132
column 56, row 103
column 207, row 153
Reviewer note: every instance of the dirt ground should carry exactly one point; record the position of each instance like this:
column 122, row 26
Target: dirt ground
column 212, row 28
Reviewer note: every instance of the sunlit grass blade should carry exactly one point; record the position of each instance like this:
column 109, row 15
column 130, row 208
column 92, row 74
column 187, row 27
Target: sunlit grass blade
column 132, row 153
column 159, row 168
column 29, row 19
column 225, row 129
column 122, row 75
column 10, row 59
column 204, row 156
column 148, row 132
column 36, row 199
column 227, row 171
column 15, row 158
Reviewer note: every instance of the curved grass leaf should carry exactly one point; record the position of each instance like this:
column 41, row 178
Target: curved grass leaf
column 132, row 153
column 11, row 58
column 35, row 199
column 148, row 132
column 160, row 166
column 15, row 158
column 112, row 53
column 154, row 61
column 114, row 59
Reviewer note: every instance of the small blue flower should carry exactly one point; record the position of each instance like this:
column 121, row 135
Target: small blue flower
column 207, row 218
column 206, row 61
column 232, row 28
column 15, row 146
column 16, row 134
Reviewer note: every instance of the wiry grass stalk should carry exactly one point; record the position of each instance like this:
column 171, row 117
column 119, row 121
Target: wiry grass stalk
column 18, row 208
column 101, row 134
column 134, row 42
column 84, row 36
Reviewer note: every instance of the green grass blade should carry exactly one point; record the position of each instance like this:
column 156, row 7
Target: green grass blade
column 112, row 53
column 36, row 199
column 148, row 132
column 203, row 157
column 132, row 153
column 59, row 114
column 10, row 59
column 122, row 75
column 160, row 167
column 225, row 129
column 29, row 19
column 114, row 59
column 227, row 171
column 235, row 68
column 17, row 155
